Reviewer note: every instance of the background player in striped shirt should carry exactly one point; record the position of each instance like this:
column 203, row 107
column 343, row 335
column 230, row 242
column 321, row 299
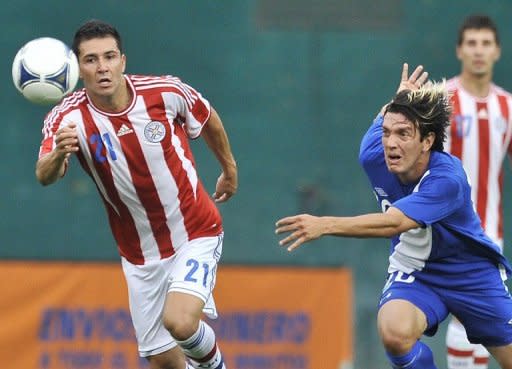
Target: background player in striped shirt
column 479, row 135
column 130, row 134
column 441, row 261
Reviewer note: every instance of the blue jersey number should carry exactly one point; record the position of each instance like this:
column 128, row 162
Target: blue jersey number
column 194, row 264
column 99, row 142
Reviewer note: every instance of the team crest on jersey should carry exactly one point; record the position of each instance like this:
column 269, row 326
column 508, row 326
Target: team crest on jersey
column 154, row 131
column 463, row 124
column 501, row 124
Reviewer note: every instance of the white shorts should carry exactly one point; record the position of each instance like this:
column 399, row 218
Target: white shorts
column 192, row 269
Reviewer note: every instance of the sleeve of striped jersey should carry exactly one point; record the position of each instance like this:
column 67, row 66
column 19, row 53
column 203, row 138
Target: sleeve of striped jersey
column 52, row 122
column 438, row 197
column 195, row 109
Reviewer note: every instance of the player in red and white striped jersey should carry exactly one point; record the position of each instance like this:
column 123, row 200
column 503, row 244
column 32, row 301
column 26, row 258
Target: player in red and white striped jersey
column 480, row 136
column 131, row 135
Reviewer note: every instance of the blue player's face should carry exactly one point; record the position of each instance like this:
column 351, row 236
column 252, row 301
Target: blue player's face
column 405, row 153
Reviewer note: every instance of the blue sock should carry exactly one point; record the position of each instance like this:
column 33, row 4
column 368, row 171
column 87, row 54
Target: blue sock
column 420, row 357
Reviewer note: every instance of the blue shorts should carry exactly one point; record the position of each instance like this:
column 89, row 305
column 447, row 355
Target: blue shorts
column 485, row 309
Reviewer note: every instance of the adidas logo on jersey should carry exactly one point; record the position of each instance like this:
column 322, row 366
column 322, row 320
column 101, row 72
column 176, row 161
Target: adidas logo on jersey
column 124, row 130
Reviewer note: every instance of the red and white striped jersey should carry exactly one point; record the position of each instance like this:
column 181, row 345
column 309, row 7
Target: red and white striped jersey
column 142, row 164
column 480, row 134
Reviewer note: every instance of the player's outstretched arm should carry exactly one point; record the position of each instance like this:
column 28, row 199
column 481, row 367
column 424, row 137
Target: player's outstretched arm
column 52, row 166
column 303, row 228
column 217, row 140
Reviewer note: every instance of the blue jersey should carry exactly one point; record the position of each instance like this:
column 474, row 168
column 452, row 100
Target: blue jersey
column 450, row 241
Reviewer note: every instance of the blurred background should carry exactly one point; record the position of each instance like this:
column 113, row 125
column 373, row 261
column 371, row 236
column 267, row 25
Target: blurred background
column 296, row 83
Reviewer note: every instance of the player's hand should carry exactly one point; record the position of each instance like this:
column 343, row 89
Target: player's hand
column 302, row 228
column 414, row 81
column 226, row 187
column 66, row 141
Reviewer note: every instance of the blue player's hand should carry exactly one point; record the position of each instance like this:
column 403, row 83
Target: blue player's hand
column 414, row 81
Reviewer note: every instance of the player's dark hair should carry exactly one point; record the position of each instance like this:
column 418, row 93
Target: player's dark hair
column 428, row 108
column 478, row 21
column 95, row 28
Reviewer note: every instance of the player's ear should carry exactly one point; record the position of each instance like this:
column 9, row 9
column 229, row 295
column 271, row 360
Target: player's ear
column 457, row 52
column 428, row 142
column 123, row 61
column 498, row 53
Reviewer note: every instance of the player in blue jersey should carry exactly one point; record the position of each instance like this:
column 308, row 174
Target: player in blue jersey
column 441, row 261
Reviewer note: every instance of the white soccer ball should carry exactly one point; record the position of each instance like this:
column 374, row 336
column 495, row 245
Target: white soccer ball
column 45, row 70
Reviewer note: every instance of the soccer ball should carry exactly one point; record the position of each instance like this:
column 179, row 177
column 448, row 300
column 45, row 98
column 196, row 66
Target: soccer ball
column 45, row 70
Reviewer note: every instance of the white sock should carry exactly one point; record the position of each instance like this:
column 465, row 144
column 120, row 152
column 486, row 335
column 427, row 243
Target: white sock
column 202, row 350
column 480, row 357
column 461, row 353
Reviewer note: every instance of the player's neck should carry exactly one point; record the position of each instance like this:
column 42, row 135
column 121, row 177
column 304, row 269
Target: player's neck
column 114, row 103
column 478, row 86
column 417, row 171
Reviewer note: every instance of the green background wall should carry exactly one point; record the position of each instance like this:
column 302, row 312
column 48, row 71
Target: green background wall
column 295, row 102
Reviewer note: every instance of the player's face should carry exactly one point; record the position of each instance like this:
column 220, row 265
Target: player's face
column 478, row 52
column 101, row 67
column 406, row 155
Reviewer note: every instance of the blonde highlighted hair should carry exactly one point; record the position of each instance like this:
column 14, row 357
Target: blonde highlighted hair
column 429, row 108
